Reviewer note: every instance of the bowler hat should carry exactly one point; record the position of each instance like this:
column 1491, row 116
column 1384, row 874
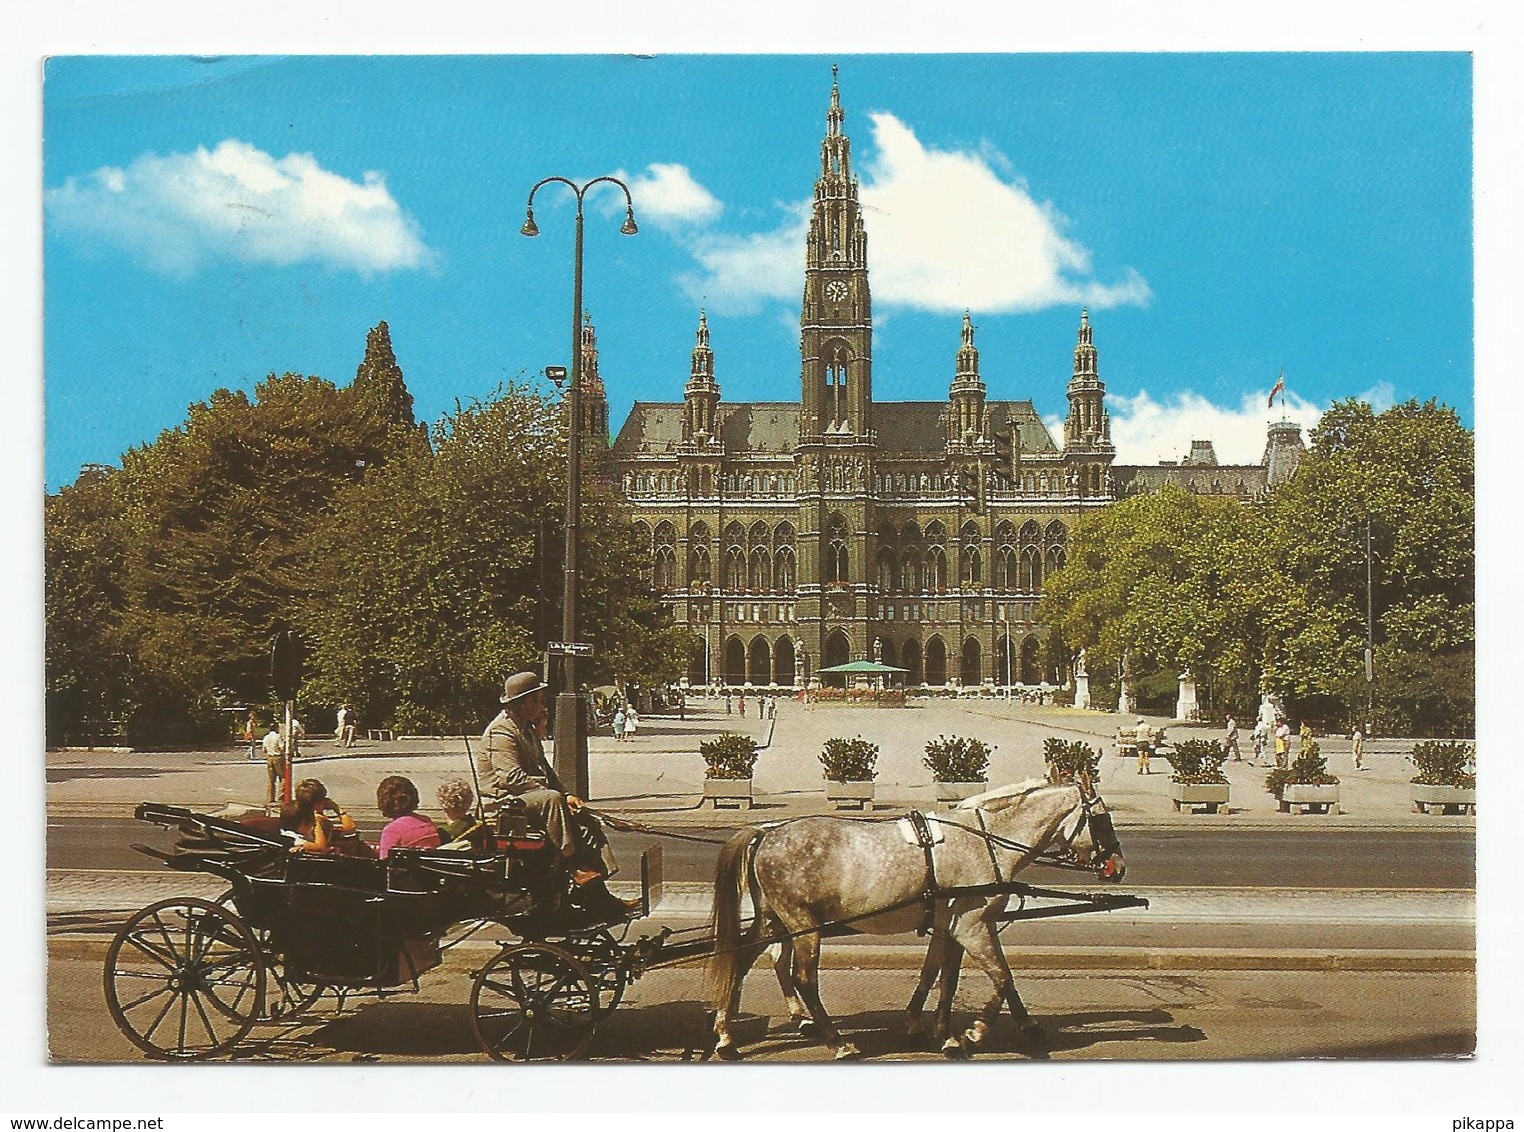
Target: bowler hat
column 519, row 685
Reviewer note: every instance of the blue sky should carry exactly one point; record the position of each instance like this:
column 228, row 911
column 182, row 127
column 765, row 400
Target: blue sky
column 1223, row 216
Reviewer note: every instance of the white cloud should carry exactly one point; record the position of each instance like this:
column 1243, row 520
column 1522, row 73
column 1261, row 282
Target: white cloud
column 1146, row 431
column 668, row 195
column 739, row 272
column 946, row 230
column 236, row 201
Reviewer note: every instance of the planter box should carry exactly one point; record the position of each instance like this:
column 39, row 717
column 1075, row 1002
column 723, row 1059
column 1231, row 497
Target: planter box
column 1449, row 799
column 1186, row 796
column 957, row 791
column 850, row 795
column 730, row 793
column 1311, row 799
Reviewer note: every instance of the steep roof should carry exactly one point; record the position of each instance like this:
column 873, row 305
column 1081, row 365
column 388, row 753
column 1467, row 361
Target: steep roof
column 762, row 428
column 1198, row 478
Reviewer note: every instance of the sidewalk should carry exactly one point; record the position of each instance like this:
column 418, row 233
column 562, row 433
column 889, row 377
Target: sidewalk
column 659, row 773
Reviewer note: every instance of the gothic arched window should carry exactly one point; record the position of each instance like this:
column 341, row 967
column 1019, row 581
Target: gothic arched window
column 666, row 570
column 836, row 561
column 936, row 569
column 735, row 570
column 972, row 566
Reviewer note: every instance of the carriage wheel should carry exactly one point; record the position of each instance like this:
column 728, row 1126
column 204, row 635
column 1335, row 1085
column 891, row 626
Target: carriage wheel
column 296, row 996
column 600, row 955
column 184, row 979
column 533, row 1002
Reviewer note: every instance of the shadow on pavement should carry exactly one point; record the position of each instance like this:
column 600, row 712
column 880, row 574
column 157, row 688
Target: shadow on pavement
column 70, row 774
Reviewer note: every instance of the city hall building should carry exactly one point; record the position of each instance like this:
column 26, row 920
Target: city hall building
column 791, row 536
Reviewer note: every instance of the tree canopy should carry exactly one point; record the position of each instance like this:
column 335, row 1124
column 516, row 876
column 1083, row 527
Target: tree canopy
column 417, row 576
column 1273, row 594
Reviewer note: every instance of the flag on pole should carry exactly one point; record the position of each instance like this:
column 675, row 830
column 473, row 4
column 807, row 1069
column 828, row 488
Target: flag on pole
column 1278, row 387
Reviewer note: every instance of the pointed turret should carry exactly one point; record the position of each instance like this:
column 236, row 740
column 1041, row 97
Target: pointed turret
column 1088, row 451
column 701, row 396
column 965, row 424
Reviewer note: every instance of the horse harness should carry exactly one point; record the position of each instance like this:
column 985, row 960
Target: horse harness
column 1102, row 833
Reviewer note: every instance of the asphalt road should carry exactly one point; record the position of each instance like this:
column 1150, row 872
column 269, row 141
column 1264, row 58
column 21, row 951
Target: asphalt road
column 1304, row 858
column 1153, row 1015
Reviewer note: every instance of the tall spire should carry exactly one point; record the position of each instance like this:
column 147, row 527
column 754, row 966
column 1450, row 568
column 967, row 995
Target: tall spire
column 592, row 384
column 595, row 405
column 836, row 316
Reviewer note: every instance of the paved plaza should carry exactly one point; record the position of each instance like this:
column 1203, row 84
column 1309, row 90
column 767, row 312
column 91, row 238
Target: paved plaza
column 660, row 770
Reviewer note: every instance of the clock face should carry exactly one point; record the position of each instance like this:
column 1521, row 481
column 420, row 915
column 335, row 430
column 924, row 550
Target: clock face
column 836, row 290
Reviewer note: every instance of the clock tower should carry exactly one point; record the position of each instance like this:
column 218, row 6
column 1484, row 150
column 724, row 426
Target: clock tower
column 836, row 323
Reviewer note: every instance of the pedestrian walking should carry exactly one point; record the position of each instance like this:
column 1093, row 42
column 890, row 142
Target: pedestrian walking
column 349, row 725
column 727, row 701
column 1357, row 746
column 1282, row 743
column 631, row 722
column 275, row 762
column 1230, row 744
column 1144, row 736
column 1258, row 735
column 741, row 705
column 341, row 722
column 619, row 724
column 251, row 736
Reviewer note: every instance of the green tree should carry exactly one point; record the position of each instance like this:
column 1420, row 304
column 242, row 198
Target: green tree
column 1174, row 581
column 203, row 534
column 88, row 675
column 441, row 573
column 378, row 383
column 1273, row 594
column 1409, row 472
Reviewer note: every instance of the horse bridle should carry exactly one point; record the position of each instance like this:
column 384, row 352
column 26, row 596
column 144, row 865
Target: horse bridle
column 1103, row 834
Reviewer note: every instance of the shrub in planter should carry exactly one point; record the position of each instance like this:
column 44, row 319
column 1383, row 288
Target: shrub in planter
column 729, row 755
column 849, row 760
column 1197, row 762
column 1309, row 768
column 1066, row 759
column 958, row 759
column 1443, row 763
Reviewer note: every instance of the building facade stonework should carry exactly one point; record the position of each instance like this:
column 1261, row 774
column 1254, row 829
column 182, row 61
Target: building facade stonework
column 794, row 536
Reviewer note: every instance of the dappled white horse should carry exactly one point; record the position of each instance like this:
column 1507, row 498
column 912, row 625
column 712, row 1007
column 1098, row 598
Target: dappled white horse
column 809, row 874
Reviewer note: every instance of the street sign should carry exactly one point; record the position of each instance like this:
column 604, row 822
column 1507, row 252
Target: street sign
column 570, row 648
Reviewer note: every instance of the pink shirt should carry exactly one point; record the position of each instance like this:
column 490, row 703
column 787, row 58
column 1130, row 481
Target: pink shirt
column 408, row 831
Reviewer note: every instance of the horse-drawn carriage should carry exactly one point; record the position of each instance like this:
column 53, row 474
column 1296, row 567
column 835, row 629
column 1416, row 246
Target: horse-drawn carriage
column 188, row 978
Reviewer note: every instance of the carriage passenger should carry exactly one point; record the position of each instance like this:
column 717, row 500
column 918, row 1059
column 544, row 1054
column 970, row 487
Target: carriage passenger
column 460, row 824
column 397, row 799
column 320, row 824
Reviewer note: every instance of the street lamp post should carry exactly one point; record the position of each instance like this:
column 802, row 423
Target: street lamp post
column 571, row 743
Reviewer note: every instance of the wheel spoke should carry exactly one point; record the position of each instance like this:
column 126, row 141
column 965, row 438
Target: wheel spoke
column 183, row 1018
column 206, row 1023
column 165, row 989
column 168, row 1006
column 169, row 943
column 168, row 959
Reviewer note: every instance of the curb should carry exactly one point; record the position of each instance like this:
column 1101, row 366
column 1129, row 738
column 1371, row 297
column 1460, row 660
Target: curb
column 688, row 810
column 904, row 957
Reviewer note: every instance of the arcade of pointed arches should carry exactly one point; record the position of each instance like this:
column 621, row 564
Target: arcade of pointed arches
column 910, row 560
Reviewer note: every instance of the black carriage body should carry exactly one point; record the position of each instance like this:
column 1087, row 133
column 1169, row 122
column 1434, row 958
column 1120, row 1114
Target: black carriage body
column 358, row 922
